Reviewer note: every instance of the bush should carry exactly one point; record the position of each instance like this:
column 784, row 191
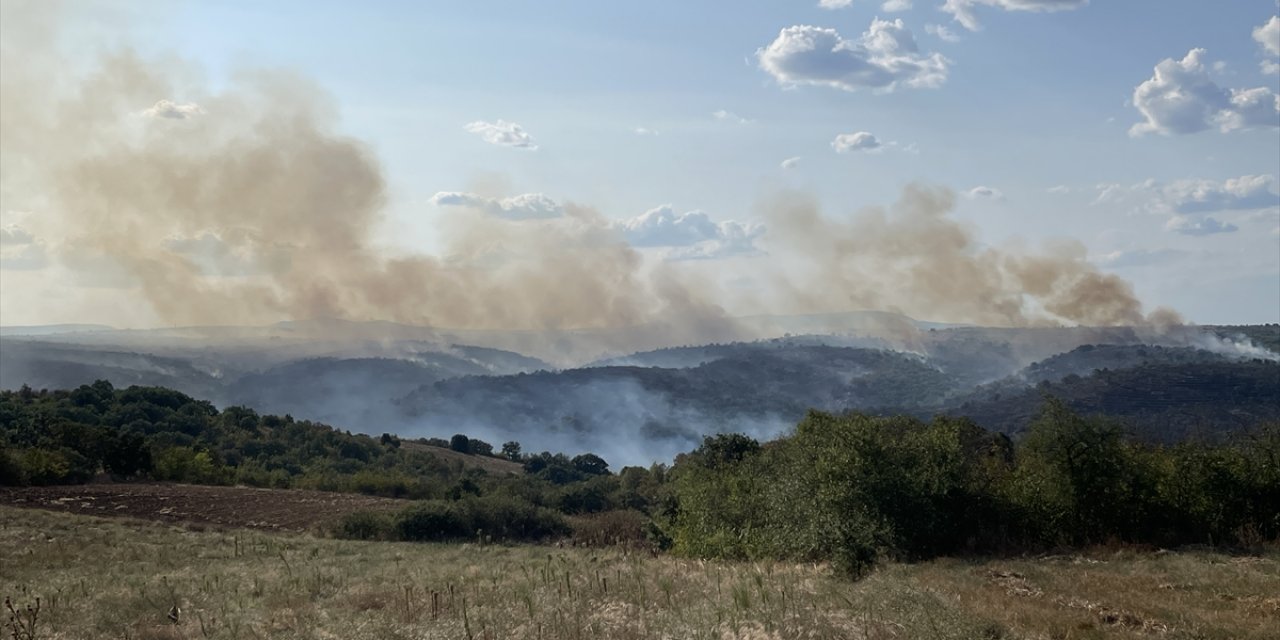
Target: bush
column 500, row 518
column 53, row 466
column 10, row 471
column 432, row 521
column 511, row 519
column 622, row 528
column 365, row 525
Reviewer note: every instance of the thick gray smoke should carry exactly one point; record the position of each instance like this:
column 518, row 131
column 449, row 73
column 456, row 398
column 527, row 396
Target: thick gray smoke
column 247, row 206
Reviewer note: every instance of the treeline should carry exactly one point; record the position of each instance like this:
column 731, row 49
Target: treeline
column 854, row 489
column 850, row 489
column 68, row 437
column 154, row 433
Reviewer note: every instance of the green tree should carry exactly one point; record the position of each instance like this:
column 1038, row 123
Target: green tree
column 511, row 450
column 460, row 443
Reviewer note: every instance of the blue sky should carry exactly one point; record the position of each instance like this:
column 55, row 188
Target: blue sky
column 621, row 99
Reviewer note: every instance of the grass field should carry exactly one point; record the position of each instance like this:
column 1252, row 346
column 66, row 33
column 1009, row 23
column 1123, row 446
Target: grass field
column 118, row 578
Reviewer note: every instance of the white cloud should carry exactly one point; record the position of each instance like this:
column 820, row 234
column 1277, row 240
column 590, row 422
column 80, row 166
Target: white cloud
column 888, row 5
column 19, row 249
column 690, row 235
column 1202, row 196
column 1193, row 226
column 941, row 32
column 1191, row 196
column 860, row 141
column 962, row 10
column 884, row 57
column 985, row 193
column 12, row 234
column 1188, row 202
column 1181, row 98
column 645, row 131
column 172, row 110
column 729, row 116
column 501, row 132
column 790, row 163
column 1268, row 36
column 1059, row 189
column 528, row 206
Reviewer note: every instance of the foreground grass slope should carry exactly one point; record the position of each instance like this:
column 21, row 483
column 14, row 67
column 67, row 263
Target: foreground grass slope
column 100, row 578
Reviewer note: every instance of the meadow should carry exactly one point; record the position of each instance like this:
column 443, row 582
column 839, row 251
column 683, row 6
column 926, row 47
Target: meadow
column 123, row 578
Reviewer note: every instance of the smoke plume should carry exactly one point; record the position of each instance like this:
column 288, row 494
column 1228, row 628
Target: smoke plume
column 914, row 259
column 248, row 206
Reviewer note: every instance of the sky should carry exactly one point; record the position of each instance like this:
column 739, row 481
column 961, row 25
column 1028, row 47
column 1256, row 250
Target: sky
column 1148, row 131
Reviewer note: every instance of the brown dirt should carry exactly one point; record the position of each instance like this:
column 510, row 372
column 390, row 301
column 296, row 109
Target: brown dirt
column 232, row 507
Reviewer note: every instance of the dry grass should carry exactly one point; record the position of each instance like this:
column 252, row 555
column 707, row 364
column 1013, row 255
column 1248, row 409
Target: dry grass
column 101, row 578
column 490, row 464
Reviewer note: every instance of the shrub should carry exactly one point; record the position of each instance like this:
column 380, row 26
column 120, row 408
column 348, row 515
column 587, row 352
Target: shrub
column 500, row 518
column 10, row 471
column 620, row 528
column 53, row 466
column 365, row 525
column 512, row 519
column 432, row 521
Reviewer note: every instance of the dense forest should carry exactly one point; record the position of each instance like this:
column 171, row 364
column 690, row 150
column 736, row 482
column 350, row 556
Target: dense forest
column 850, row 488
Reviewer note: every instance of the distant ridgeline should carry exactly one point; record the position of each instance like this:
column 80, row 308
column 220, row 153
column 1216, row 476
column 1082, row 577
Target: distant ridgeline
column 849, row 489
column 1208, row 383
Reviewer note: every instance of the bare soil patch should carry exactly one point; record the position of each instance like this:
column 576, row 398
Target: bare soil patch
column 233, row 507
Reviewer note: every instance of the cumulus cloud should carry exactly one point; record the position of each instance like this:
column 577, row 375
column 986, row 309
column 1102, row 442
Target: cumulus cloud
column 963, row 10
column 885, row 57
column 860, row 141
column 1193, row 226
column 13, row 235
column 834, row 4
column 941, row 32
column 1268, row 36
column 1190, row 196
column 1059, row 189
column 1181, row 98
column 1187, row 202
column 19, row 249
column 690, row 235
column 729, row 116
column 1203, row 196
column 645, row 131
column 526, row 206
column 172, row 110
column 985, row 193
column 503, row 133
column 790, row 163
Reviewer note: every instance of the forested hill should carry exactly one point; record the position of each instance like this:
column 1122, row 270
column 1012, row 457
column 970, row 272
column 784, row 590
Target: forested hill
column 53, row 437
column 757, row 390
column 1164, row 402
